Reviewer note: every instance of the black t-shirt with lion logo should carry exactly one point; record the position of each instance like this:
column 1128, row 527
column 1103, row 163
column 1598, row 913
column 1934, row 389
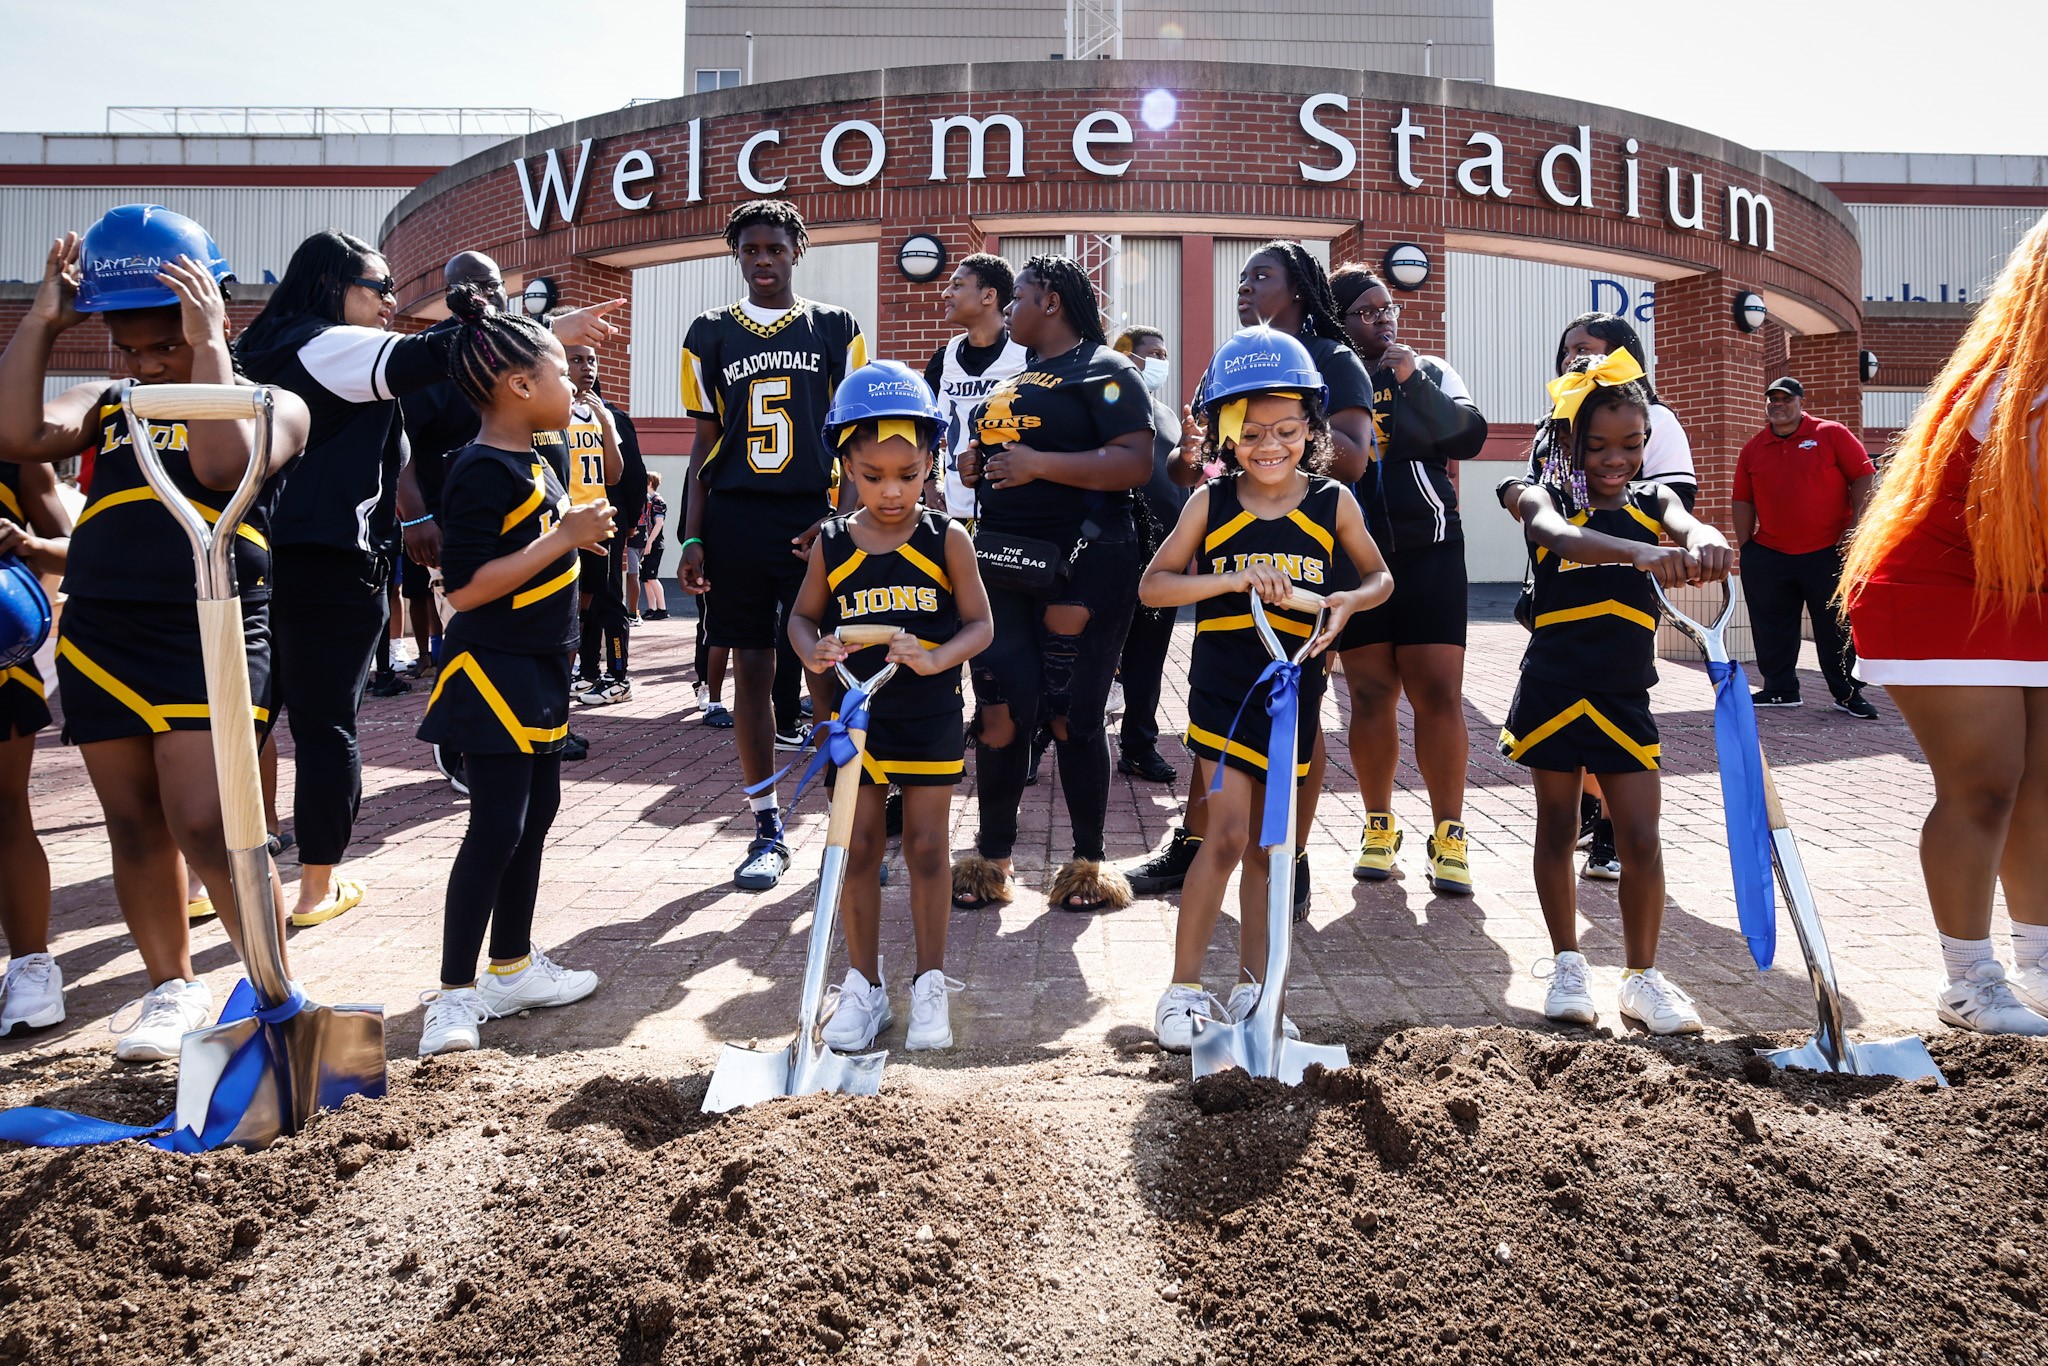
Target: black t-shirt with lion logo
column 1080, row 400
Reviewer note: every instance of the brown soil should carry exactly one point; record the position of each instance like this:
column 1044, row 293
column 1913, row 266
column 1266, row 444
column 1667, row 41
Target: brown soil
column 1463, row 1195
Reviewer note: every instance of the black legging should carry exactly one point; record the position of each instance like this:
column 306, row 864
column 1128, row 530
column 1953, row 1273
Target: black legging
column 326, row 616
column 512, row 801
column 1038, row 673
column 1143, row 670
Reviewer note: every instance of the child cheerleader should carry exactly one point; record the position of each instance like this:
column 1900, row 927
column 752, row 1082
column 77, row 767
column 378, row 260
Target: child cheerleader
column 1271, row 523
column 893, row 562
column 508, row 557
column 1583, row 705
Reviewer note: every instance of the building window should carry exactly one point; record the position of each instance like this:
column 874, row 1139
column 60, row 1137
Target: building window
column 717, row 78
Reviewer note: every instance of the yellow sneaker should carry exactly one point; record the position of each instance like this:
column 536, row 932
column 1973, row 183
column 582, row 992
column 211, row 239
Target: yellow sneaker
column 1449, row 873
column 1376, row 850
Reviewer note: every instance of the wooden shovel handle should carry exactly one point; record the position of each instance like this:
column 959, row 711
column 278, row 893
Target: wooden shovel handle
column 846, row 792
column 225, row 652
column 861, row 636
column 1774, row 810
column 201, row 402
column 1304, row 601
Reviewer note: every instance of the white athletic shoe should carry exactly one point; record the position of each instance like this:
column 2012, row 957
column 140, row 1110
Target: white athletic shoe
column 1569, row 999
column 703, row 697
column 1174, row 1018
column 860, row 1011
column 1243, row 997
column 32, row 994
column 2029, row 983
column 1115, row 705
column 168, row 1013
column 1986, row 1002
column 1658, row 1004
column 931, row 1014
column 606, row 692
column 542, row 982
column 579, row 685
column 452, row 1020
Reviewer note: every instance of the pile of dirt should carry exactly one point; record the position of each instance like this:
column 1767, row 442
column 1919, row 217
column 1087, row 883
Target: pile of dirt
column 1460, row 1195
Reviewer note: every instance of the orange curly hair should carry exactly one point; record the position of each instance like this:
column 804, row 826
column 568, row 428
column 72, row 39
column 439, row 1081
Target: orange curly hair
column 2006, row 510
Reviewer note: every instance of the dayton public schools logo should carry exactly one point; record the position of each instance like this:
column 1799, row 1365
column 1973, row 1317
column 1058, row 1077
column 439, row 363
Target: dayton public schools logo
column 1253, row 361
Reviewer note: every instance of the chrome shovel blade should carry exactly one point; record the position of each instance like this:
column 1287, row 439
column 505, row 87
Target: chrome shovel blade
column 1906, row 1058
column 1220, row 1046
column 748, row 1076
column 328, row 1053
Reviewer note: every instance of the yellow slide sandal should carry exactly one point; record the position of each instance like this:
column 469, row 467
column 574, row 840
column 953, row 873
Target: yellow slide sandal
column 346, row 895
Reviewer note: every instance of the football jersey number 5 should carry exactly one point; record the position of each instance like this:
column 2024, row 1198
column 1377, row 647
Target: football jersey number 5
column 770, row 438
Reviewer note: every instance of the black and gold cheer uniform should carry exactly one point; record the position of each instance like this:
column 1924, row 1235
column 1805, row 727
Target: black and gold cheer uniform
column 768, row 384
column 1228, row 654
column 1584, row 698
column 23, row 710
column 916, row 737
column 504, row 687
column 128, row 654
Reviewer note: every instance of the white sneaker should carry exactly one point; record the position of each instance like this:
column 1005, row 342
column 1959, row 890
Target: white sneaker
column 703, row 697
column 1115, row 705
column 606, row 692
column 452, row 1020
column 1570, row 997
column 579, row 686
column 32, row 994
column 1985, row 1001
column 542, row 982
column 1659, row 1005
column 2029, row 983
column 1243, row 997
column 169, row 1012
column 1174, row 1019
column 931, row 1014
column 860, row 1011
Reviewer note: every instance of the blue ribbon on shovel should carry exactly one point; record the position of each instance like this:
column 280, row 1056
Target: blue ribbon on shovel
column 1282, row 705
column 1742, row 796
column 258, row 1061
column 834, row 746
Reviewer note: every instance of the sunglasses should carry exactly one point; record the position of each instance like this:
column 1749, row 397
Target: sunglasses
column 385, row 288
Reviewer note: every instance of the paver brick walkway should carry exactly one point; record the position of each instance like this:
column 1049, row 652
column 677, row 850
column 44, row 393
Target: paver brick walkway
column 637, row 886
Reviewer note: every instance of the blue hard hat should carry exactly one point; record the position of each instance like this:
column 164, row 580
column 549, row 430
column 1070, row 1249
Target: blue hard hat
column 1258, row 360
column 880, row 389
column 24, row 612
column 122, row 254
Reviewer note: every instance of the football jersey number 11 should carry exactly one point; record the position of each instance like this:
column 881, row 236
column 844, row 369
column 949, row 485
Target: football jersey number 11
column 770, row 438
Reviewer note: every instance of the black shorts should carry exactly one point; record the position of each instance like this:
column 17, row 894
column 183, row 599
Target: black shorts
column 748, row 558
column 1209, row 733
column 915, row 751
column 1563, row 729
column 134, row 668
column 1428, row 606
column 497, row 702
column 650, row 563
column 415, row 580
column 23, row 709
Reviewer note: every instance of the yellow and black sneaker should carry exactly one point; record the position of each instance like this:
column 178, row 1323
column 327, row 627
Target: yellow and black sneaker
column 1449, row 873
column 1376, row 850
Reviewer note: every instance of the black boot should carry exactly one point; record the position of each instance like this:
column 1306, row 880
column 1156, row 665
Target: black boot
column 1167, row 869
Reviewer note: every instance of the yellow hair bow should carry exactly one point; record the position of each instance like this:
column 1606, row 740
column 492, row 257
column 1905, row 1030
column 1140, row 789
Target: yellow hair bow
column 887, row 427
column 1569, row 389
column 1230, row 417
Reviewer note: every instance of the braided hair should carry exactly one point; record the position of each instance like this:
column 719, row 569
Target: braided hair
column 1063, row 276
column 1559, row 451
column 1320, row 314
column 489, row 343
column 774, row 213
column 1617, row 333
column 1319, row 456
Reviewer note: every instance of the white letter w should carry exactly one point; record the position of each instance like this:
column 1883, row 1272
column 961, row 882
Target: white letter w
column 566, row 199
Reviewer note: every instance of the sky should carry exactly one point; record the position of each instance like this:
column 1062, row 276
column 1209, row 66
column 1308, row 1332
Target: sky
column 1849, row 75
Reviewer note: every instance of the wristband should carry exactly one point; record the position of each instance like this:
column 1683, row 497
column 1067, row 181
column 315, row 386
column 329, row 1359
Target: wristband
column 694, row 540
column 417, row 521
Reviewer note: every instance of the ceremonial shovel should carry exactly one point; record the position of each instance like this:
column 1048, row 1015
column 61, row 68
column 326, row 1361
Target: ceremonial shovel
column 1830, row 1049
column 279, row 1065
column 1259, row 1043
column 748, row 1076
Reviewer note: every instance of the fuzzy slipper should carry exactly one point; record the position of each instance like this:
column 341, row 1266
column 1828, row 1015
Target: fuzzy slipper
column 979, row 883
column 345, row 895
column 1086, row 885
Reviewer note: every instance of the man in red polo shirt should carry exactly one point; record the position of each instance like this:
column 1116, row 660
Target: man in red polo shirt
column 1800, row 484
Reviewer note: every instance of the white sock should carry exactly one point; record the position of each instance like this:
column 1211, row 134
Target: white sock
column 2029, row 944
column 771, row 803
column 1960, row 955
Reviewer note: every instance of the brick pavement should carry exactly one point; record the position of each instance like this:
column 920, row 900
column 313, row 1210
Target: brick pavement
column 637, row 886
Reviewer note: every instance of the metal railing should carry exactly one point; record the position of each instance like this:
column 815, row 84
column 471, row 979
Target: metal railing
column 321, row 120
